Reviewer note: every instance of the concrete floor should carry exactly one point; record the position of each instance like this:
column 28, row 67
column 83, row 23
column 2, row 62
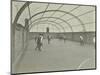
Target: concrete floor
column 56, row 56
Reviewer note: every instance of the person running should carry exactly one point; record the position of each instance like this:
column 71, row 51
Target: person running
column 39, row 43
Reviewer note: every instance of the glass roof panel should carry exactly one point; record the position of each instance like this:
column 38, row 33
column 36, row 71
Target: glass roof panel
column 85, row 13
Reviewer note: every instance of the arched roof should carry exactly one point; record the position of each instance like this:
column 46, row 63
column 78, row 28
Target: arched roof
column 66, row 17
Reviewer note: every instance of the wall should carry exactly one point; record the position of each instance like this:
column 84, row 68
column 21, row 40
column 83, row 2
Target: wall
column 75, row 36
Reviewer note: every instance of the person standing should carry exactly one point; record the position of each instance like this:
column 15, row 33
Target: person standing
column 48, row 39
column 81, row 40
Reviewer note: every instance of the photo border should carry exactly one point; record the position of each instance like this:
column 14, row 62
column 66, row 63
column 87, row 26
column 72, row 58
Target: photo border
column 57, row 70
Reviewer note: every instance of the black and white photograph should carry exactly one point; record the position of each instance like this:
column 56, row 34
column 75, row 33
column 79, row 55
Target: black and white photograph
column 52, row 37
